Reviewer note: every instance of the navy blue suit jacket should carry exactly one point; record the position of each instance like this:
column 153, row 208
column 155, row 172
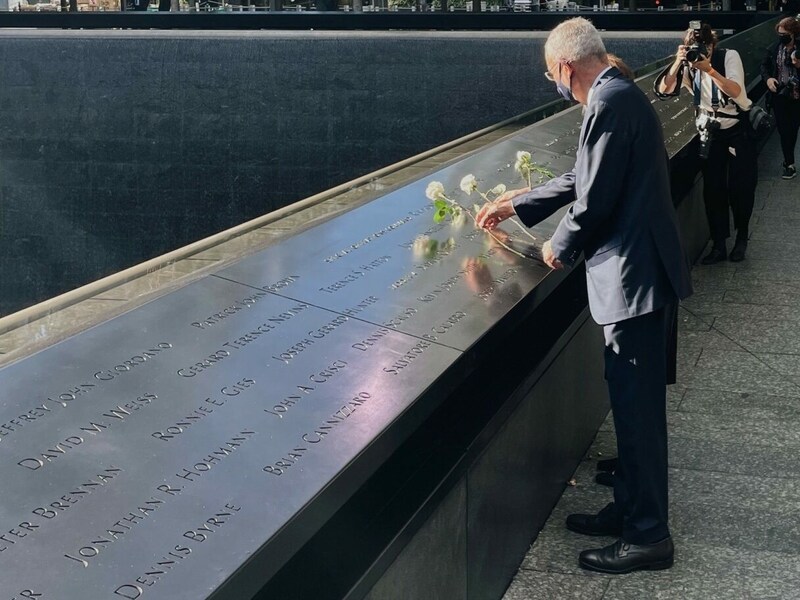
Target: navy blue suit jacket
column 622, row 218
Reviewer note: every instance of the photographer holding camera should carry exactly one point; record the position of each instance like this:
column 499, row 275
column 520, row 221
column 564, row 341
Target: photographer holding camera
column 781, row 70
column 727, row 148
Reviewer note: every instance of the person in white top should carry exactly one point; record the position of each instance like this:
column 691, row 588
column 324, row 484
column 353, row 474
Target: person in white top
column 730, row 160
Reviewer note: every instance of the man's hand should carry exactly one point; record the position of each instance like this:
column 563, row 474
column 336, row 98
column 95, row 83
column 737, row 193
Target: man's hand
column 772, row 84
column 549, row 258
column 493, row 213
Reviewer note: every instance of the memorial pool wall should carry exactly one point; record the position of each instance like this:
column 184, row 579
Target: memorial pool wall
column 118, row 146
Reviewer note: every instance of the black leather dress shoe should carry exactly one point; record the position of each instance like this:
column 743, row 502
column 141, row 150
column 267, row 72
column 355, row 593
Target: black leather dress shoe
column 605, row 478
column 606, row 522
column 716, row 255
column 607, row 464
column 621, row 557
column 739, row 248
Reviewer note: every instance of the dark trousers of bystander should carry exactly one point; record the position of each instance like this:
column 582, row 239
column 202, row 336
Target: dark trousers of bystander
column 787, row 122
column 730, row 175
column 636, row 355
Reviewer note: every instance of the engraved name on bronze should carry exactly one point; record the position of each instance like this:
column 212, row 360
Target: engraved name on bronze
column 289, row 459
column 355, row 275
column 281, row 283
column 133, row 362
column 286, row 403
column 242, row 341
column 228, row 311
column 213, row 458
column 436, row 228
column 44, row 514
column 114, row 415
column 314, row 335
column 142, row 510
column 177, row 553
column 440, row 251
column 362, row 305
column 496, row 283
column 75, row 392
column 203, row 410
column 371, row 340
column 366, row 240
column 445, row 326
column 303, row 390
column 409, row 356
column 404, row 315
column 448, row 284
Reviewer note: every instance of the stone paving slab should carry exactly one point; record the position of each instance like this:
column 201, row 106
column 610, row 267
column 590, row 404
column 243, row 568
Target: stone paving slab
column 734, row 425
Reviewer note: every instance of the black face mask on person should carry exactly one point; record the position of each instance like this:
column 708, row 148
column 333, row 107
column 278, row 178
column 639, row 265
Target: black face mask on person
column 785, row 38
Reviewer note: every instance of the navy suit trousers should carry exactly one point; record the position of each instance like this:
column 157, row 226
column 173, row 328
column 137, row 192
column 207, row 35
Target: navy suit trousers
column 636, row 359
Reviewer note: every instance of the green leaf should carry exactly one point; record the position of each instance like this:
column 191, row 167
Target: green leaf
column 439, row 216
column 439, row 204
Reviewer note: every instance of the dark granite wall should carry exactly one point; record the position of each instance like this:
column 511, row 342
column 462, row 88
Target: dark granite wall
column 119, row 146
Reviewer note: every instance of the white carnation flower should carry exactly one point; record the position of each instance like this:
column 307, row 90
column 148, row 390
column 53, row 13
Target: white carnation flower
column 523, row 164
column 434, row 191
column 469, row 184
column 499, row 189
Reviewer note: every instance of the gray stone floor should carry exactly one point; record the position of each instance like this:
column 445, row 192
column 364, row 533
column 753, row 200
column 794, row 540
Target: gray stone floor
column 734, row 424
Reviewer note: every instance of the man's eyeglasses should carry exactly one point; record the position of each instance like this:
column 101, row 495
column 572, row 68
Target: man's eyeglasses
column 549, row 76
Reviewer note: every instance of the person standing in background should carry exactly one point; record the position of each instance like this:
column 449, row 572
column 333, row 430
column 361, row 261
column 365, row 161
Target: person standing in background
column 781, row 70
column 728, row 156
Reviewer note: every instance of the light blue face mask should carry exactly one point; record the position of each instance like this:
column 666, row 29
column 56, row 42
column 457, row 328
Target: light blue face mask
column 564, row 91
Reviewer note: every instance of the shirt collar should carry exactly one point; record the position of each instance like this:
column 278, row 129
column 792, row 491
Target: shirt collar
column 596, row 83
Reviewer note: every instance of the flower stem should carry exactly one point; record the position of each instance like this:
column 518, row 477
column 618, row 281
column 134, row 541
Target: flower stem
column 474, row 219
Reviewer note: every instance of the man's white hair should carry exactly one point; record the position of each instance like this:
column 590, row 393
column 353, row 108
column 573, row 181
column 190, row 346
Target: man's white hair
column 574, row 40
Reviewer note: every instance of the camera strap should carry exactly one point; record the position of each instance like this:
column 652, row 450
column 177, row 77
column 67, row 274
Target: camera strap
column 696, row 88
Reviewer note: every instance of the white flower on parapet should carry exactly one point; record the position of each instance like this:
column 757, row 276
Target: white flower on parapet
column 468, row 184
column 523, row 163
column 434, row 191
column 498, row 189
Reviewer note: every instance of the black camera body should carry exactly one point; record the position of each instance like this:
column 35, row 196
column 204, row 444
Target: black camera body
column 698, row 50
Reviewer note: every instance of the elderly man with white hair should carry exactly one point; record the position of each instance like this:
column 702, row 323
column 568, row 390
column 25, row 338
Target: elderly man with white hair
column 623, row 221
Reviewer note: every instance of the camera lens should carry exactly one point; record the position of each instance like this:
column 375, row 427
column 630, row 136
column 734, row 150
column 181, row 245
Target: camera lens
column 692, row 55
